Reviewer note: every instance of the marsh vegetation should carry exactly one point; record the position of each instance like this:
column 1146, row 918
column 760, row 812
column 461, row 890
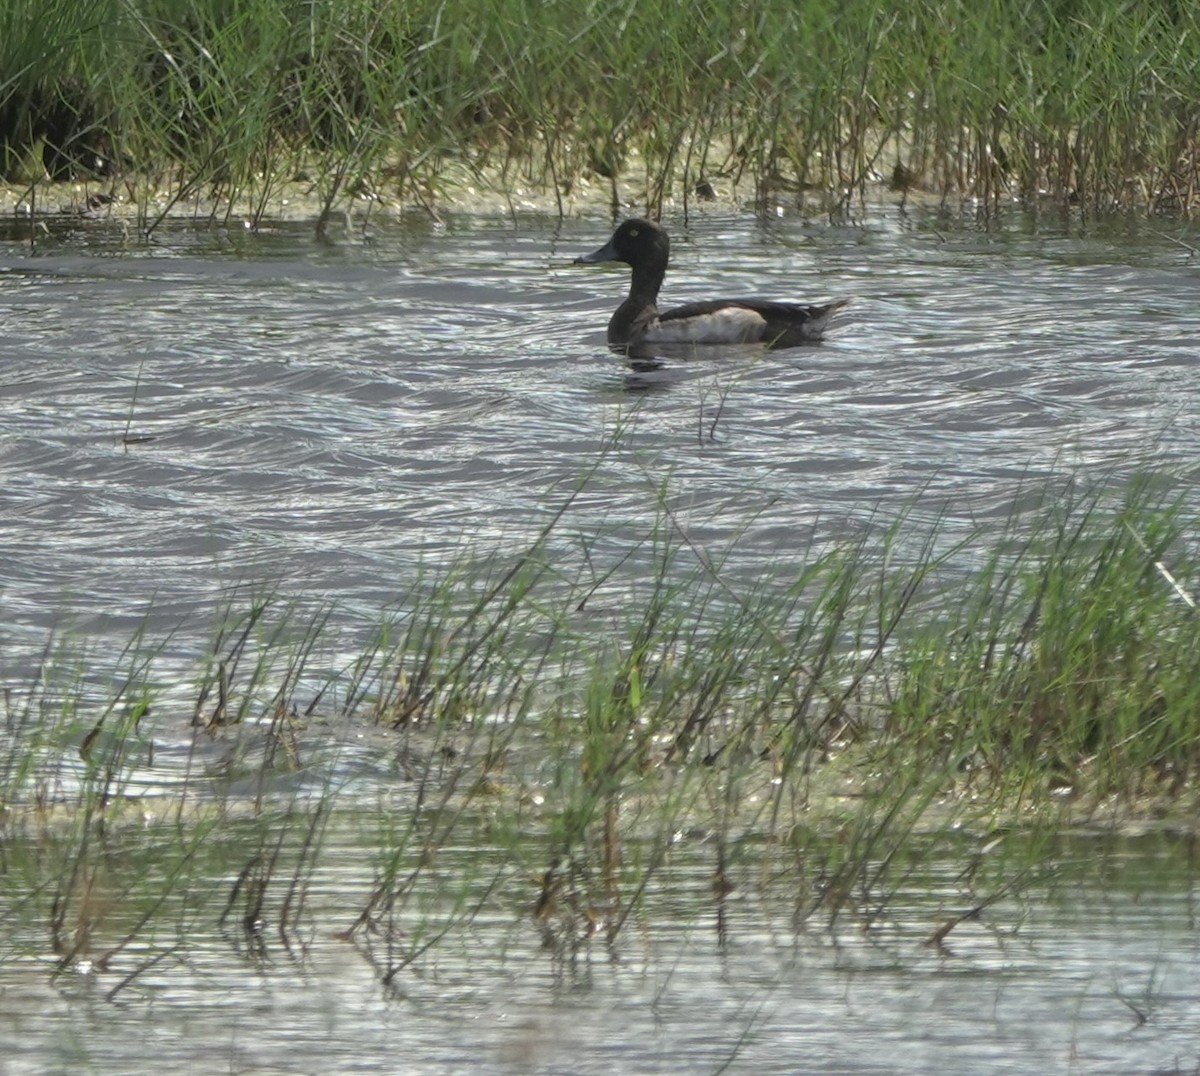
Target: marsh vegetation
column 163, row 101
column 809, row 738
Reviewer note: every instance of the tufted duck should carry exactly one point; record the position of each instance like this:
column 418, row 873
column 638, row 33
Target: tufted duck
column 645, row 248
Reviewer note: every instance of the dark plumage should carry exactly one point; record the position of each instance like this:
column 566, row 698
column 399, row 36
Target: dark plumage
column 637, row 323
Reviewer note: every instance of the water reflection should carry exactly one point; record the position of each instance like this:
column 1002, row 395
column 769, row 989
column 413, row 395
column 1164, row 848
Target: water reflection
column 1090, row 971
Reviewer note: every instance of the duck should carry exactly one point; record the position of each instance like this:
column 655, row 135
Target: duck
column 638, row 325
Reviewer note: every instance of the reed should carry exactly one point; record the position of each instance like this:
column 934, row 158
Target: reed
column 220, row 108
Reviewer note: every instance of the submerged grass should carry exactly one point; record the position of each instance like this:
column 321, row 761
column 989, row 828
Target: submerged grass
column 222, row 104
column 810, row 738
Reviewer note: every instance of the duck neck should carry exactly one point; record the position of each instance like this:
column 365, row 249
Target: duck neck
column 646, row 282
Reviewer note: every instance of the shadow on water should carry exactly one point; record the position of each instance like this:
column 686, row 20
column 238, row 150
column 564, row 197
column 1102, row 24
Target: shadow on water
column 662, row 374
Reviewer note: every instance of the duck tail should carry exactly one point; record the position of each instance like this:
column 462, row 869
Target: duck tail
column 812, row 328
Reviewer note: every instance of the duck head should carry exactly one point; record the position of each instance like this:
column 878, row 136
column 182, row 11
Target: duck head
column 638, row 243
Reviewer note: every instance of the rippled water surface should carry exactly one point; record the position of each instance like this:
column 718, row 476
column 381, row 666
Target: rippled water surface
column 319, row 418
column 323, row 420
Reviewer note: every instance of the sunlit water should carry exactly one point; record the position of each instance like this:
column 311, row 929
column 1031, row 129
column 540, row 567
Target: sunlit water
column 321, row 420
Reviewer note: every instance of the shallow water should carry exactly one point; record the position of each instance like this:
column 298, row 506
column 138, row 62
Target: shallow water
column 320, row 420
column 1095, row 972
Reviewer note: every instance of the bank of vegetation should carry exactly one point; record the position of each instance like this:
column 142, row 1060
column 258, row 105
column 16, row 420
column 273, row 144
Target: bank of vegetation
column 1081, row 101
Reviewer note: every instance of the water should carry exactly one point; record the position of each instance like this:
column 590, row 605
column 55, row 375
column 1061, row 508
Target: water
column 320, row 420
column 1095, row 972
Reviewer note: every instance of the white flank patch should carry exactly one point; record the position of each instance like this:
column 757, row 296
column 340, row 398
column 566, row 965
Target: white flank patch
column 733, row 325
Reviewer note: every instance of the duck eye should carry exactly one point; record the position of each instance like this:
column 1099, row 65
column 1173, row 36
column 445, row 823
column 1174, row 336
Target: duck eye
column 633, row 232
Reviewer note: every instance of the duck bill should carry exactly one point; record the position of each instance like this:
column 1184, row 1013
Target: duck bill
column 607, row 253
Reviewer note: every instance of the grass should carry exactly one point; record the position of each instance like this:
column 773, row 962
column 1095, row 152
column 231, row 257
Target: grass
column 824, row 730
column 1083, row 666
column 178, row 102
